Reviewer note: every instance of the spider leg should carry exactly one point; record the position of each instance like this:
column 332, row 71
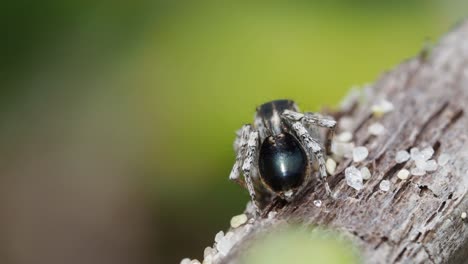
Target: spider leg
column 314, row 149
column 250, row 157
column 240, row 146
column 317, row 120
column 321, row 121
column 246, row 145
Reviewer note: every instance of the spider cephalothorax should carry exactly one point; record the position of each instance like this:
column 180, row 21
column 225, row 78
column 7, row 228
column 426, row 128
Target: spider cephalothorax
column 276, row 152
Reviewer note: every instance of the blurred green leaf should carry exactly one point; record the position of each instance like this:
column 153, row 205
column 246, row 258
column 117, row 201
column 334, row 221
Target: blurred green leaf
column 302, row 246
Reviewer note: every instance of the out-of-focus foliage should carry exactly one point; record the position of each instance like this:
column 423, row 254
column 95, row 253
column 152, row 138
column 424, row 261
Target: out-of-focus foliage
column 190, row 73
column 301, row 246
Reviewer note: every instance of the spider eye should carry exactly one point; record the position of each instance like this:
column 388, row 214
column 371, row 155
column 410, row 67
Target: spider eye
column 282, row 162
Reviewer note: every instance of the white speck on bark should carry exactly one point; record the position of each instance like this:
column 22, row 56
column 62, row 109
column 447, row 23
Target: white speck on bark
column 366, row 174
column 360, row 154
column 382, row 107
column 431, row 165
column 346, row 123
column 218, row 236
column 415, row 154
column 341, row 149
column 272, row 214
column 417, row 171
column 209, row 251
column 185, row 261
column 376, row 129
column 427, row 153
column 225, row 244
column 345, row 136
column 331, row 166
column 238, row 220
column 354, row 178
column 384, row 185
column 403, row 174
column 420, row 164
column 402, row 156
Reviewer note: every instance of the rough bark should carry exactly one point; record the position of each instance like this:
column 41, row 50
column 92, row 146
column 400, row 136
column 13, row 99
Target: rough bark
column 417, row 220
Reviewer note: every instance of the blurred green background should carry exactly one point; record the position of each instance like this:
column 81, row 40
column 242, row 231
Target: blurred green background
column 165, row 84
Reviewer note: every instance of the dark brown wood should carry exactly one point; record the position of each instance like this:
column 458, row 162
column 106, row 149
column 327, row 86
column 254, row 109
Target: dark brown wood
column 418, row 220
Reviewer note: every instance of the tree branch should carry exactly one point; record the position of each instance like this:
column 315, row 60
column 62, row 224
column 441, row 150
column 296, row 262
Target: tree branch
column 418, row 220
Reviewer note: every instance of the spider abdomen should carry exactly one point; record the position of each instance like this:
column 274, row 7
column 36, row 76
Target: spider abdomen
column 282, row 162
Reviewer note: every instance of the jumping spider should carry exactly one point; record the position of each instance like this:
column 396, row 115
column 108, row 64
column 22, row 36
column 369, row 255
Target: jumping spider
column 277, row 153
